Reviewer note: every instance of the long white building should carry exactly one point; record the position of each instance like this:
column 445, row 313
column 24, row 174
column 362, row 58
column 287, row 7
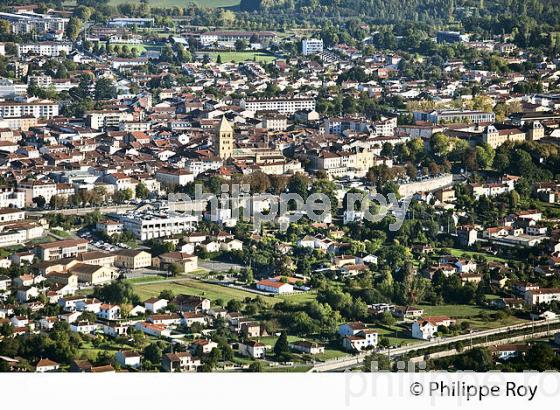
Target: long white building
column 38, row 109
column 28, row 22
column 46, row 48
column 280, row 105
column 149, row 225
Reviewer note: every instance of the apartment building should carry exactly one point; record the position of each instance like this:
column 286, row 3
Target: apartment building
column 200, row 165
column 451, row 37
column 45, row 48
column 9, row 198
column 281, row 105
column 27, row 22
column 11, row 215
column 542, row 295
column 107, row 119
column 149, row 225
column 496, row 137
column 67, row 248
column 455, row 116
column 172, row 177
column 338, row 164
column 133, row 259
column 311, row 46
column 228, row 38
column 38, row 109
column 35, row 189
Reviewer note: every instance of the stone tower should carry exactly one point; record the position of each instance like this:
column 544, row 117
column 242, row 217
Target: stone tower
column 223, row 139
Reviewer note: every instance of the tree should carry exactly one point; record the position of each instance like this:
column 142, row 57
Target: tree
column 440, row 144
column 240, row 45
column 117, row 292
column 541, row 357
column 299, row 184
column 376, row 361
column 387, row 318
column 142, row 191
column 256, row 367
column 153, row 353
column 105, row 89
column 233, row 305
column 281, row 348
column 175, row 269
column 73, row 28
column 167, row 54
column 219, row 59
column 39, row 201
column 485, row 156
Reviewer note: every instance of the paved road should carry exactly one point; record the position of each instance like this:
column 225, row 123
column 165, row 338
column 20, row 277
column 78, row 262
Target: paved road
column 82, row 211
column 342, row 364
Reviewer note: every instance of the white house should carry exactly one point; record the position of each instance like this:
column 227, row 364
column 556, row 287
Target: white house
column 253, row 349
column 155, row 304
column 303, row 346
column 351, row 329
column 542, row 295
column 46, row 365
column 83, row 327
column 271, row 286
column 361, row 340
column 427, row 327
column 128, row 358
column 109, row 312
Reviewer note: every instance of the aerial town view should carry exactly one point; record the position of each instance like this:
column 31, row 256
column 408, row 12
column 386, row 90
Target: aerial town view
column 266, row 186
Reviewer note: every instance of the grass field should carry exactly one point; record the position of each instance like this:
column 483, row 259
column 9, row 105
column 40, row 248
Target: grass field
column 461, row 252
column 470, row 314
column 239, row 56
column 190, row 286
column 181, row 3
column 455, row 311
column 195, row 288
column 299, row 297
column 396, row 335
column 139, row 47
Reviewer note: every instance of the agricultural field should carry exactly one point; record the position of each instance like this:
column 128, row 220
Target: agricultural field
column 182, row 3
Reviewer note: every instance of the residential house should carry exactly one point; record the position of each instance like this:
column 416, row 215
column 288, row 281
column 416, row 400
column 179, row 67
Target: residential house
column 252, row 348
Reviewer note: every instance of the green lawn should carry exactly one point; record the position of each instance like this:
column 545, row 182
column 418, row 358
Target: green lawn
column 146, row 278
column 330, row 354
column 455, row 311
column 139, row 47
column 181, row 3
column 196, row 288
column 89, row 351
column 62, row 234
column 239, row 56
column 271, row 340
column 460, row 252
column 479, row 324
column 400, row 338
column 299, row 297
column 470, row 313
